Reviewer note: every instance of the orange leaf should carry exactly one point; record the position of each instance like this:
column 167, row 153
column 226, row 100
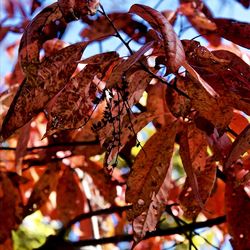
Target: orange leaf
column 42, row 189
column 147, row 221
column 150, row 169
column 205, row 180
column 240, row 146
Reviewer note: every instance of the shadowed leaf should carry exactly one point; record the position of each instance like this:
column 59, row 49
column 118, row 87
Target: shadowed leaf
column 235, row 31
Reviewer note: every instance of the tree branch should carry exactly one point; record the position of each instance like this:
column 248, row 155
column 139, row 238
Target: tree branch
column 158, row 232
column 59, row 144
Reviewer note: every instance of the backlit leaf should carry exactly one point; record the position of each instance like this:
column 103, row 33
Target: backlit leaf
column 147, row 221
column 69, row 196
column 74, row 9
column 42, row 189
column 150, row 169
column 212, row 108
column 205, row 179
column 240, row 146
column 32, row 38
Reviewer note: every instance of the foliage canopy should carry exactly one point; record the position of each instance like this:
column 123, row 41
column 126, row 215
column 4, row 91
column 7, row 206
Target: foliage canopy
column 191, row 102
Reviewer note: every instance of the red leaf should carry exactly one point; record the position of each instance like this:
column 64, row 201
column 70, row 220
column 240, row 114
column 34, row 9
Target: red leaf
column 35, row 4
column 150, row 169
column 21, row 147
column 69, row 196
column 240, row 146
column 235, row 31
column 74, row 9
column 33, row 37
column 42, row 189
column 205, row 180
column 236, row 202
column 10, row 206
column 147, row 221
column 74, row 105
column 174, row 51
column 193, row 154
column 45, row 82
column 121, row 69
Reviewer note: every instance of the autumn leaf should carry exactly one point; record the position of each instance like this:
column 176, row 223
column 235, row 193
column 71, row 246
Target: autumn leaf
column 101, row 180
column 142, row 186
column 121, row 69
column 121, row 20
column 240, row 146
column 201, row 18
column 179, row 105
column 157, row 105
column 216, row 70
column 147, row 220
column 205, row 180
column 213, row 108
column 36, row 91
column 11, row 208
column 237, row 201
column 235, row 31
column 21, row 148
column 238, row 122
column 174, row 51
column 42, row 189
column 75, row 9
column 69, row 198
column 193, row 154
column 32, row 39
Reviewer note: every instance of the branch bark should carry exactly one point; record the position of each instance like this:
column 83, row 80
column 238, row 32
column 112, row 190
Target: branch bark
column 158, row 232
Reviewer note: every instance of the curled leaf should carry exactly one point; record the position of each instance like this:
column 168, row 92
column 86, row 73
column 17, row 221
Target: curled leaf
column 174, row 51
